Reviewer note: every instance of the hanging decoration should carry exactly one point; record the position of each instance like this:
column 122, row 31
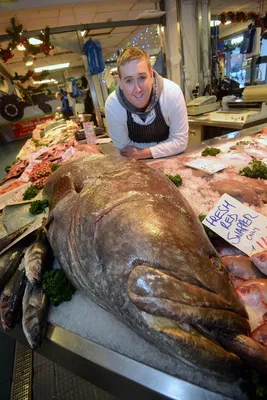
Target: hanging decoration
column 147, row 39
column 17, row 37
column 31, row 75
column 259, row 19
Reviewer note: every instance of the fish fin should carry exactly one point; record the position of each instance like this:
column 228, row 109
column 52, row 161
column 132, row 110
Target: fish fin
column 63, row 187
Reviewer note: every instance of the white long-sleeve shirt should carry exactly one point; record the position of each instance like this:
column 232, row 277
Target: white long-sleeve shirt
column 174, row 111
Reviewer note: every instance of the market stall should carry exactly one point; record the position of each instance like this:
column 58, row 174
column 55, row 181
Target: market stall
column 122, row 362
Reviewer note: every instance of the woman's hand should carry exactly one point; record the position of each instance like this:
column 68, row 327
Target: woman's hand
column 134, row 152
column 58, row 108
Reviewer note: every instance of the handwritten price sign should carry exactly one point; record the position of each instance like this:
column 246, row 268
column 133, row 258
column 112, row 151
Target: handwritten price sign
column 239, row 225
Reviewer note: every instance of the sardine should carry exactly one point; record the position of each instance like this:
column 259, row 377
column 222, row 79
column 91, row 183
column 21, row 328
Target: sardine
column 11, row 299
column 9, row 262
column 35, row 258
column 34, row 318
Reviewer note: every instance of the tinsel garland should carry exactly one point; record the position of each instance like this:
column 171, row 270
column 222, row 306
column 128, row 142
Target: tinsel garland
column 16, row 34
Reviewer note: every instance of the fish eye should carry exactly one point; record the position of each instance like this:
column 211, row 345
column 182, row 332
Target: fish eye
column 216, row 263
column 244, row 290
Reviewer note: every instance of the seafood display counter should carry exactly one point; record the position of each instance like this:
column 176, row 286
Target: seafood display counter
column 116, row 359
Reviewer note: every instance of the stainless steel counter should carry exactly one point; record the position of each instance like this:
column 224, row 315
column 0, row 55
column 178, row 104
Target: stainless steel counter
column 120, row 375
column 201, row 128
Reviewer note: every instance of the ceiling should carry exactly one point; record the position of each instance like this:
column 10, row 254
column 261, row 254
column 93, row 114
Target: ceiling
column 33, row 17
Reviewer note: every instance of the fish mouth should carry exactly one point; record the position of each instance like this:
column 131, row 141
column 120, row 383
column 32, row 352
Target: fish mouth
column 180, row 309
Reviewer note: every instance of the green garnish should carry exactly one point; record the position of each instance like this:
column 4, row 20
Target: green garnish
column 54, row 167
column 38, row 206
column 57, row 287
column 210, row 151
column 257, row 170
column 30, row 193
column 208, row 231
column 176, row 179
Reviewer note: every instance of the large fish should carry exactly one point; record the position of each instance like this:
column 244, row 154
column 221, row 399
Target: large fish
column 125, row 235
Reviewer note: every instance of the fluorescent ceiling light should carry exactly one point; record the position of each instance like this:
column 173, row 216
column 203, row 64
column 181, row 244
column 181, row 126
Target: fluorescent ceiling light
column 51, row 67
column 44, row 81
column 152, row 57
column 83, row 33
column 227, row 22
column 29, row 63
column 33, row 41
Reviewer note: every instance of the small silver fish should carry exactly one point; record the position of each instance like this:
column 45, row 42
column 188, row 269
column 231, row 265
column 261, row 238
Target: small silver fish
column 11, row 299
column 9, row 262
column 6, row 240
column 35, row 311
column 35, row 257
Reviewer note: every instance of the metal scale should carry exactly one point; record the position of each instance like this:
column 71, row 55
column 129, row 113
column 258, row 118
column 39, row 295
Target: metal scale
column 247, row 111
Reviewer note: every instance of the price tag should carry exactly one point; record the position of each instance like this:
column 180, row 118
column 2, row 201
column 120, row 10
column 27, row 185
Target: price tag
column 89, row 132
column 206, row 165
column 238, row 224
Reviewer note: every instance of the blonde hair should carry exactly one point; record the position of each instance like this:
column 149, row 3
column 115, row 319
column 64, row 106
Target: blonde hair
column 129, row 54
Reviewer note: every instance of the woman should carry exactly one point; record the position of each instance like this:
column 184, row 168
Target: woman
column 66, row 110
column 146, row 115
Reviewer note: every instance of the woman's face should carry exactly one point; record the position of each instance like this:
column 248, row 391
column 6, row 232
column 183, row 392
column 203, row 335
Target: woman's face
column 136, row 82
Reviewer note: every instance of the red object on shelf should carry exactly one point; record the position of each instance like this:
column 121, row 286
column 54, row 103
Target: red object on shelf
column 25, row 128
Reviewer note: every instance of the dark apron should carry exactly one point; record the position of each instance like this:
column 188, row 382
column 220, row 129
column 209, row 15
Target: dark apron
column 157, row 131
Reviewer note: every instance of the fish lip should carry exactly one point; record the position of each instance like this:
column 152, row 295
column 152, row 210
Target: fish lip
column 151, row 290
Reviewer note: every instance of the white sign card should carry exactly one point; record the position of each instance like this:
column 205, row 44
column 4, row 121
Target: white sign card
column 206, row 165
column 239, row 225
column 89, row 132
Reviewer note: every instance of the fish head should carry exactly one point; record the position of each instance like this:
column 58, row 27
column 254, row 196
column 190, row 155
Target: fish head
column 260, row 260
column 249, row 293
